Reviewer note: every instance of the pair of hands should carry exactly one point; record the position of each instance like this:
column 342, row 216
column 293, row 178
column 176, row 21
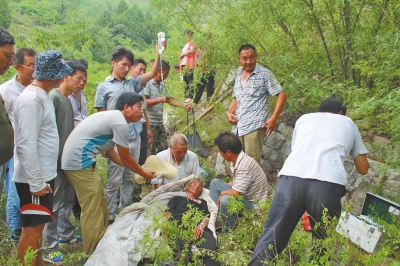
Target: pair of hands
column 43, row 192
column 269, row 124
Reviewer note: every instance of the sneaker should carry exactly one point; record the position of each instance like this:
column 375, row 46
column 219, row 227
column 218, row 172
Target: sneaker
column 75, row 240
column 53, row 257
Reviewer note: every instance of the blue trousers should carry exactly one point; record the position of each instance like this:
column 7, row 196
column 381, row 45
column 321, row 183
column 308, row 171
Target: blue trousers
column 228, row 220
column 294, row 196
column 13, row 214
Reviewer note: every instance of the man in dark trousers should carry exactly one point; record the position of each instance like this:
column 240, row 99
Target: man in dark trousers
column 313, row 177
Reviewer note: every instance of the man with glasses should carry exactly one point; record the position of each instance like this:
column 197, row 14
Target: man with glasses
column 24, row 63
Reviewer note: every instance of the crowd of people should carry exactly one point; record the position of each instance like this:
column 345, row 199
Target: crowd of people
column 48, row 149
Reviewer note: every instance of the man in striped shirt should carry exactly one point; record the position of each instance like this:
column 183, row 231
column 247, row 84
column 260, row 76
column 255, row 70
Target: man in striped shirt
column 248, row 112
column 249, row 179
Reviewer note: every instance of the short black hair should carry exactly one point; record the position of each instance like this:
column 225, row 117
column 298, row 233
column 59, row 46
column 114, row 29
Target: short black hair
column 84, row 63
column 76, row 65
column 139, row 61
column 6, row 37
column 120, row 53
column 152, row 60
column 228, row 141
column 165, row 65
column 247, row 47
column 129, row 98
column 332, row 105
column 188, row 32
column 20, row 54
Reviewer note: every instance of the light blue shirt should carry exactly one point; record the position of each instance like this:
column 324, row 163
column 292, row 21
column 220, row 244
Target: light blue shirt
column 109, row 91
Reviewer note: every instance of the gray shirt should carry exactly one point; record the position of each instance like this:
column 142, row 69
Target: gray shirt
column 94, row 135
column 108, row 92
column 155, row 112
column 64, row 119
column 36, row 138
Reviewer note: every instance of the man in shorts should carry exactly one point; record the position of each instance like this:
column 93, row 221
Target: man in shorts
column 36, row 142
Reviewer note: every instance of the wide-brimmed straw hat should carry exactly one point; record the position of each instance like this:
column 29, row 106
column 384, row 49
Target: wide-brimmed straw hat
column 153, row 163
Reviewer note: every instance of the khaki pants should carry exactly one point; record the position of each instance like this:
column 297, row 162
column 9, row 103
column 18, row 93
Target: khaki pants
column 252, row 143
column 94, row 216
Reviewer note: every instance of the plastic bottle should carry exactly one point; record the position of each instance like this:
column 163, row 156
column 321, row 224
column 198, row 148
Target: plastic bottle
column 161, row 39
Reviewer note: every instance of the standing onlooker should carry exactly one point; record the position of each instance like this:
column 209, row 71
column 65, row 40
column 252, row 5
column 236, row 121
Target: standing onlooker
column 36, row 142
column 248, row 112
column 155, row 95
column 139, row 68
column 207, row 78
column 313, row 177
column 107, row 94
column 97, row 134
column 187, row 59
column 24, row 63
column 61, row 231
column 7, row 134
column 79, row 106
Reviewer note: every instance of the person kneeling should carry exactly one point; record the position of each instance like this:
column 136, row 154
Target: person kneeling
column 179, row 205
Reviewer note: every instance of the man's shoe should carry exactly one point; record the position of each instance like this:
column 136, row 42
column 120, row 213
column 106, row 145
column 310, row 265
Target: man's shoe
column 75, row 240
column 53, row 257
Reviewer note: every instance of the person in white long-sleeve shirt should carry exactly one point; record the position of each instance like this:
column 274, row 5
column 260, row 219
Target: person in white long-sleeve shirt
column 36, row 141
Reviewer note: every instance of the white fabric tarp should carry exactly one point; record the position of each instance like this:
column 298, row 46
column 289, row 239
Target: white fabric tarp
column 120, row 242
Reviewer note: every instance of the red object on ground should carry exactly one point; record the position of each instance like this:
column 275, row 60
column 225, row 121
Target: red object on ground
column 306, row 223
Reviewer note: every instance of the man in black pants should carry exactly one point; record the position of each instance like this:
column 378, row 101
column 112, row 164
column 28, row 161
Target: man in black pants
column 313, row 177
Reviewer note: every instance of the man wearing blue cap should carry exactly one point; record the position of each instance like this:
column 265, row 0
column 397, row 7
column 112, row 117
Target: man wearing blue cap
column 36, row 142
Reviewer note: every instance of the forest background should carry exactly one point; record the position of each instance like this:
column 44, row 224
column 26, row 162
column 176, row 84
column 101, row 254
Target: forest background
column 316, row 49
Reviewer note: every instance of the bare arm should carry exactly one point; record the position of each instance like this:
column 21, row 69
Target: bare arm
column 231, row 112
column 113, row 156
column 271, row 122
column 174, row 102
column 152, row 102
column 132, row 165
column 229, row 192
column 361, row 164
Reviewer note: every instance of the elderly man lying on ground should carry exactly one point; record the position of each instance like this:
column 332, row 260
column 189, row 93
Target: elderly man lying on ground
column 121, row 243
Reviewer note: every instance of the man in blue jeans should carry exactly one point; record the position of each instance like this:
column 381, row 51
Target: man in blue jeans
column 313, row 177
column 249, row 179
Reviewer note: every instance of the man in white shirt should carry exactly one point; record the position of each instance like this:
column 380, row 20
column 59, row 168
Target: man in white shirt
column 177, row 154
column 24, row 63
column 36, row 144
column 313, row 177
